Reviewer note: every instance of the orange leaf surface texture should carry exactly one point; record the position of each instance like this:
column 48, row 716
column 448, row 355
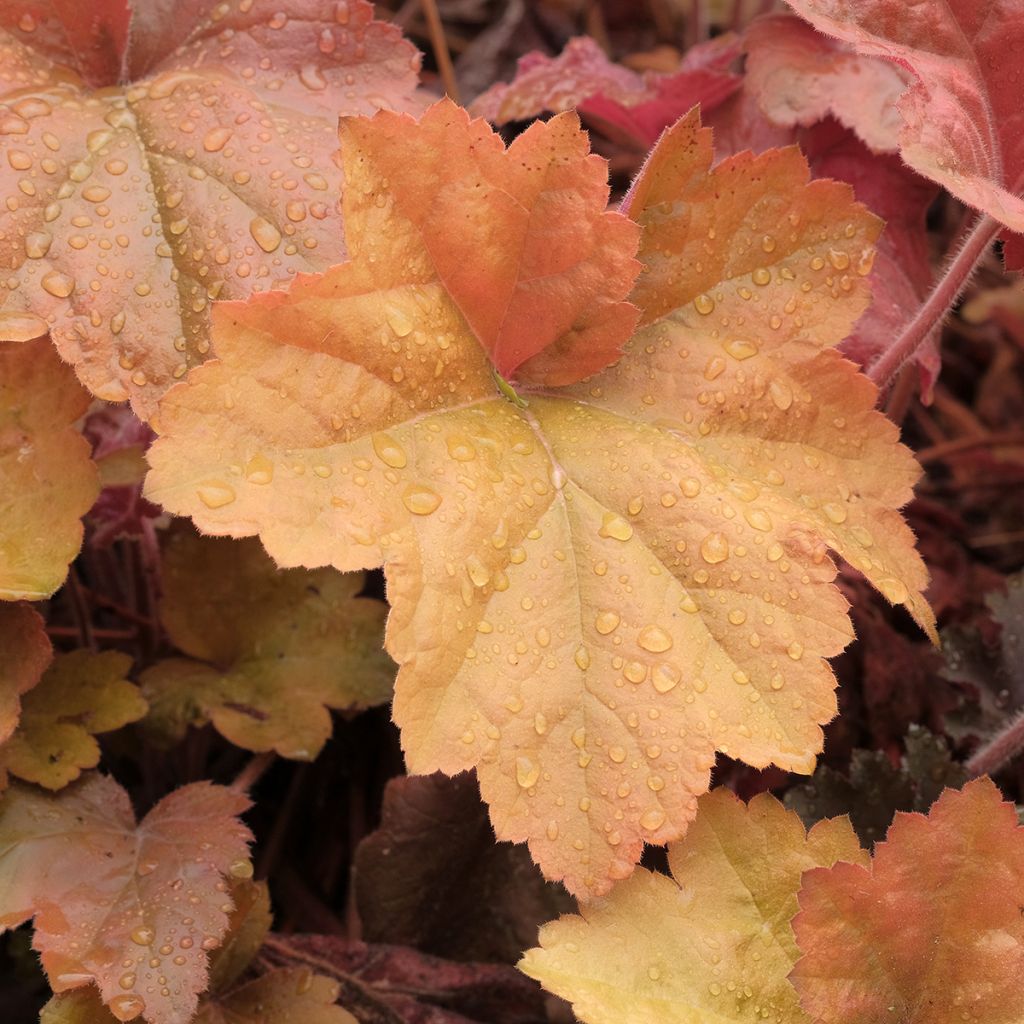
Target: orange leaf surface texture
column 49, row 480
column 711, row 943
column 133, row 908
column 595, row 585
column 81, row 694
column 273, row 648
column 963, row 121
column 930, row 931
column 129, row 207
column 27, row 652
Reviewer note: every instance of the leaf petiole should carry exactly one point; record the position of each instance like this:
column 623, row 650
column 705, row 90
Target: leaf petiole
column 508, row 392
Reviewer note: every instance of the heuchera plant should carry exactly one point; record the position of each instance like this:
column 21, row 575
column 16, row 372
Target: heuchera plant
column 580, row 474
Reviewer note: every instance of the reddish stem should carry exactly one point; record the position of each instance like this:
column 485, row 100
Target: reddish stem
column 252, row 771
column 999, row 749
column 934, row 309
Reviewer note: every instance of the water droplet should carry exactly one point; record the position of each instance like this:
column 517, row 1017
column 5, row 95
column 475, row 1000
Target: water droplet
column 126, row 1007
column 835, row 511
column 527, row 773
column 16, row 326
column 768, row 243
column 795, row 650
column 714, row 368
column 582, row 658
column 893, row 589
column 389, row 451
column 241, row 868
column 421, row 500
column 606, row 622
column 761, row 276
column 266, row 236
column 839, row 259
column 615, row 526
column 654, row 639
column 781, row 394
column 215, row 494
column 704, row 304
column 689, row 606
column 758, row 519
column 216, row 139
column 714, row 548
column 142, row 936
column 127, row 980
column 57, row 284
column 665, row 678
column 740, row 348
column 259, row 470
column 398, row 320
column 312, row 77
column 653, row 819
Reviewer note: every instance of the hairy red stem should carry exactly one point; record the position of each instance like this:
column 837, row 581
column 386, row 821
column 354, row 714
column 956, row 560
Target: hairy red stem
column 934, row 309
column 999, row 749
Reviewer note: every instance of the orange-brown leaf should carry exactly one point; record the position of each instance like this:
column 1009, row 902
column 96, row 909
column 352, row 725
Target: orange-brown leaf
column 27, row 652
column 131, row 908
column 593, row 588
column 128, row 209
column 49, row 481
column 931, row 932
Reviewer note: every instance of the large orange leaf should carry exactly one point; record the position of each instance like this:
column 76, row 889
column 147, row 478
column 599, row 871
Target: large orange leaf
column 711, row 943
column 593, row 587
column 133, row 908
column 49, row 481
column 930, row 931
column 81, row 694
column 273, row 649
column 963, row 120
column 27, row 652
column 129, row 208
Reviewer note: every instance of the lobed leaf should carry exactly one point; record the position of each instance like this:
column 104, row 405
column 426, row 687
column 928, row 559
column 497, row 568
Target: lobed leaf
column 930, row 930
column 49, row 480
column 27, row 652
column 133, row 908
column 274, row 649
column 211, row 175
column 593, row 587
column 963, row 124
column 711, row 943
column 80, row 694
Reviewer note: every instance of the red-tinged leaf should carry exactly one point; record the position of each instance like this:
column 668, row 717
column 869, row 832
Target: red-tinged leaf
column 49, row 481
column 640, row 106
column 963, row 120
column 80, row 695
column 26, row 653
column 902, row 273
column 931, row 932
column 211, row 175
column 801, row 77
column 132, row 908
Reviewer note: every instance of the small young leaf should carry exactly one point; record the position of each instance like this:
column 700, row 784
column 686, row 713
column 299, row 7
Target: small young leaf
column 277, row 647
column 26, row 653
column 593, row 587
column 49, row 481
column 930, row 931
column 211, row 175
column 712, row 943
column 963, row 121
column 133, row 908
column 81, row 694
